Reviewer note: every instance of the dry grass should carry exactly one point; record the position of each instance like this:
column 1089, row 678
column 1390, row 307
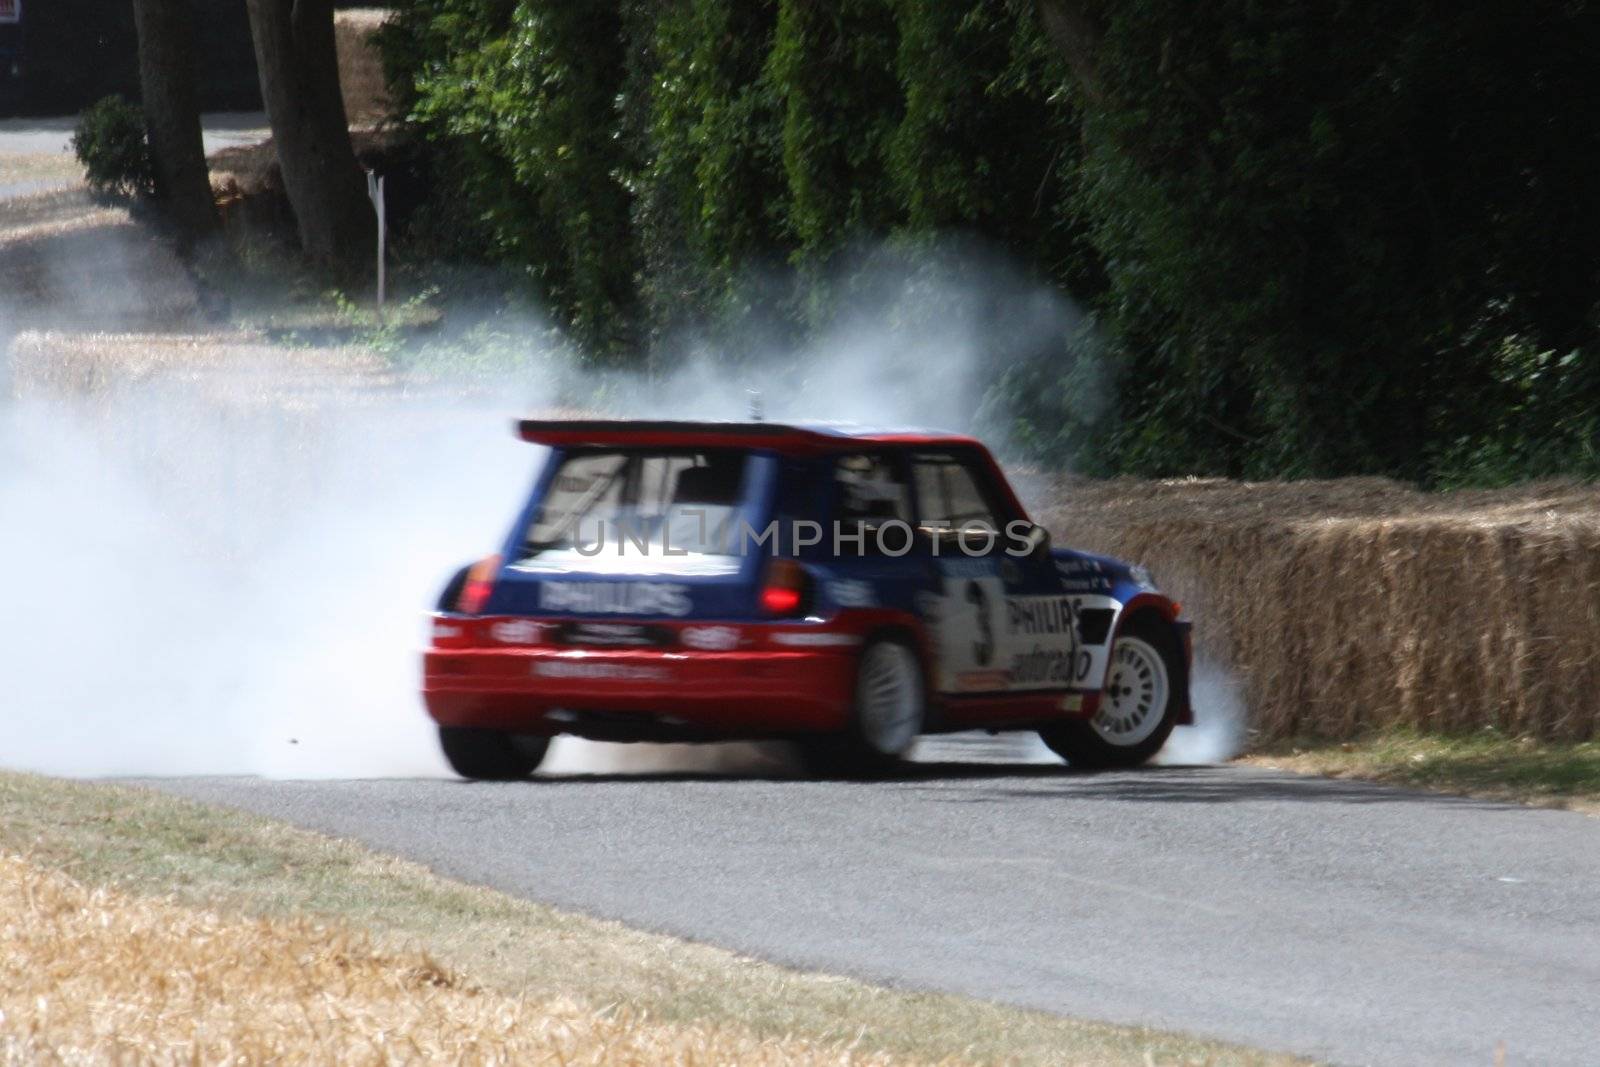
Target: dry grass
column 428, row 946
column 226, row 366
column 64, row 257
column 1485, row 764
column 39, row 168
column 366, row 94
column 100, row 976
column 54, row 214
column 1359, row 605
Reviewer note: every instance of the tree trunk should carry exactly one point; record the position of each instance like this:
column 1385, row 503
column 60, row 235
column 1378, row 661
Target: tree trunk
column 1072, row 27
column 167, row 83
column 299, row 70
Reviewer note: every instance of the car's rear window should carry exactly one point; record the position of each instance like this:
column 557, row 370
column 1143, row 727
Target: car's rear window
column 642, row 502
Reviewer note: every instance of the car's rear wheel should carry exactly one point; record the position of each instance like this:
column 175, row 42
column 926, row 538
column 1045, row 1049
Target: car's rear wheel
column 1138, row 706
column 492, row 755
column 886, row 716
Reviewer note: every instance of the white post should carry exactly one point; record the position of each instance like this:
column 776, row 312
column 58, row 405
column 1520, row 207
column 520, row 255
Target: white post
column 375, row 194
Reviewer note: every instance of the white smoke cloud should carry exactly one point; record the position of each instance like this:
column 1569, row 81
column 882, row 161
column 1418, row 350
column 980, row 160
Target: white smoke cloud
column 232, row 576
column 245, row 599
column 1218, row 733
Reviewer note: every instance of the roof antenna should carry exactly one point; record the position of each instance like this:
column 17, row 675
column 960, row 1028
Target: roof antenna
column 756, row 413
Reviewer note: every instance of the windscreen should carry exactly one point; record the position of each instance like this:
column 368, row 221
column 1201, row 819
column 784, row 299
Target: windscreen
column 639, row 503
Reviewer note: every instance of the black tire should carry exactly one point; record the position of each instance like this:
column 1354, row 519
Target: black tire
column 872, row 744
column 1083, row 745
column 492, row 755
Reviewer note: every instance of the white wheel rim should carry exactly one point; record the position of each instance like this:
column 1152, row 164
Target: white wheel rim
column 1135, row 696
column 889, row 698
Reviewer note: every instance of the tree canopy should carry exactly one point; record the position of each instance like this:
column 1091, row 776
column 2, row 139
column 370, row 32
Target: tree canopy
column 1309, row 239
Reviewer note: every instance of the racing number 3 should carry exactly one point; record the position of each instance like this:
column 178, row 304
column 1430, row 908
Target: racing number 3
column 983, row 647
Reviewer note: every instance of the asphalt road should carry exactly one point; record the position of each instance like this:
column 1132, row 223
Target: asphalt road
column 1349, row 922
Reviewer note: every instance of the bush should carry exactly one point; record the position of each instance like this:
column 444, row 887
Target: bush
column 111, row 144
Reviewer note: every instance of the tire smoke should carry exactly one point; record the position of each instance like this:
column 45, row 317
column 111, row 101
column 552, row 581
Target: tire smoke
column 223, row 564
column 1219, row 729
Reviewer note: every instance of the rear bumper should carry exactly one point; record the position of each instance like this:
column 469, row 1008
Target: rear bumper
column 641, row 694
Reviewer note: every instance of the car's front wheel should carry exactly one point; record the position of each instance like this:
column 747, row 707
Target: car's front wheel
column 886, row 717
column 491, row 755
column 1138, row 705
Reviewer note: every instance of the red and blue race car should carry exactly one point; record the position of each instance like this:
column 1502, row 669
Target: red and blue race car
column 848, row 590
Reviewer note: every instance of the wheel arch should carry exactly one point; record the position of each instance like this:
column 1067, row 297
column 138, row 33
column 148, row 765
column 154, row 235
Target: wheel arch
column 906, row 634
column 1155, row 610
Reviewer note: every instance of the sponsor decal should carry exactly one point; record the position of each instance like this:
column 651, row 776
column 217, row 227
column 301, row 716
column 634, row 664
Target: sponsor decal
column 981, row 681
column 443, row 631
column 516, row 632
column 957, row 567
column 616, row 598
column 1041, row 615
column 1087, row 585
column 1072, row 702
column 602, row 633
column 1047, row 667
column 990, row 641
column 850, row 593
column 611, row 672
column 1043, row 633
column 710, row 638
column 815, row 640
column 1083, row 575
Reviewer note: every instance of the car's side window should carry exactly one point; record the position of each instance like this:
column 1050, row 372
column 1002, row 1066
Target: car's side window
column 870, row 491
column 950, row 495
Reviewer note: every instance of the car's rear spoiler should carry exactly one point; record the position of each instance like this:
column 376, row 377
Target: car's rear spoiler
column 776, row 436
column 636, row 434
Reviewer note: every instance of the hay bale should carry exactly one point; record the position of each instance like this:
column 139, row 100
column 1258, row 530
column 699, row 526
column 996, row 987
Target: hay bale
column 1358, row 604
column 366, row 92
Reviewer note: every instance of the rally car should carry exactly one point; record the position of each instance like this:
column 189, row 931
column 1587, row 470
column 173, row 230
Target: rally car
column 845, row 589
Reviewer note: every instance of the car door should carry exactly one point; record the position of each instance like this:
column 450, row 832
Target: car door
column 1001, row 622
column 873, row 552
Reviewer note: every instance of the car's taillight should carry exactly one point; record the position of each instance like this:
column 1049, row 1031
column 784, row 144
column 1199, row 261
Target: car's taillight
column 785, row 589
column 479, row 584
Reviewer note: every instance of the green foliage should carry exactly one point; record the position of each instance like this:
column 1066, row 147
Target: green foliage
column 833, row 66
column 520, row 102
column 1322, row 223
column 711, row 182
column 989, row 140
column 1308, row 239
column 110, row 141
column 1541, row 424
